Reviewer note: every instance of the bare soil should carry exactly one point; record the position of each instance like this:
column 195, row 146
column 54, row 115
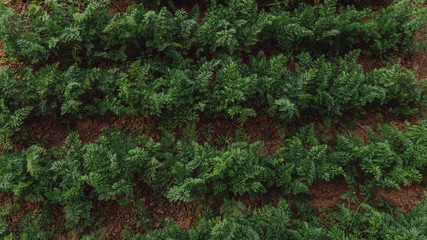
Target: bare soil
column 48, row 132
column 6, row 61
column 327, row 194
column 158, row 211
column 258, row 128
column 409, row 60
column 418, row 59
column 19, row 210
column 404, row 198
column 3, row 55
column 17, row 5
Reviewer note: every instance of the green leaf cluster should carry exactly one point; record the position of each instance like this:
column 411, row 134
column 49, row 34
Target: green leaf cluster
column 76, row 175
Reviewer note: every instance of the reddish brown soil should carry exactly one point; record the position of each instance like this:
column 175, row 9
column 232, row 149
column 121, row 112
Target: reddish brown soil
column 373, row 119
column 46, row 131
column 220, row 128
column 258, row 128
column 17, row 5
column 90, row 129
column 370, row 121
column 136, row 124
column 119, row 6
column 115, row 217
column 418, row 59
column 271, row 196
column 262, row 128
column 404, row 198
column 408, row 60
column 19, row 210
column 327, row 194
column 3, row 55
column 5, row 61
column 158, row 209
